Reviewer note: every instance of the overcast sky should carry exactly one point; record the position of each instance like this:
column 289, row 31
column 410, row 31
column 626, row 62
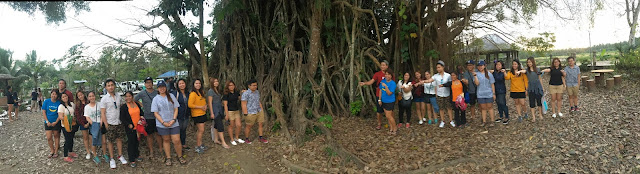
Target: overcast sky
column 22, row 33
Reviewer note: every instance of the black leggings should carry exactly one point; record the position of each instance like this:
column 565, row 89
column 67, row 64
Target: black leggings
column 132, row 144
column 405, row 108
column 68, row 139
column 460, row 116
column 535, row 99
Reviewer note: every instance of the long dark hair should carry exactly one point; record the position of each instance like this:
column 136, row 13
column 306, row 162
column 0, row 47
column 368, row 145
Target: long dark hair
column 212, row 80
column 84, row 98
column 166, row 92
column 533, row 65
column 57, row 94
column 519, row 67
column 226, row 87
column 131, row 93
column 185, row 86
column 197, row 91
column 553, row 66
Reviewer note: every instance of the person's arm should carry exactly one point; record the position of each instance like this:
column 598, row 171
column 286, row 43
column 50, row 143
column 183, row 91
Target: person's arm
column 226, row 109
column 475, row 79
column 175, row 116
column 579, row 79
column 390, row 90
column 380, row 97
column 564, row 79
column 448, row 84
column 86, row 115
column 493, row 88
column 191, row 103
column 103, row 115
column 547, row 70
column 125, row 118
column 367, row 82
column 60, row 114
column 210, row 103
column 243, row 104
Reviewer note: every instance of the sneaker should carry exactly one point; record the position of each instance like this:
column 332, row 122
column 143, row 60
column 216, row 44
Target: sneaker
column 506, row 121
column 572, row 109
column 133, row 164
column 198, row 149
column 187, row 148
column 436, row 121
column 441, row 124
column 420, row 122
column 399, row 125
column 234, row 143
column 203, row 148
column 526, row 115
column 122, row 160
column 577, row 109
column 96, row 160
column 88, row 156
column 68, row 159
column 424, row 119
column 482, row 125
column 407, row 125
column 264, row 140
column 112, row 164
column 498, row 120
column 559, row 114
column 554, row 116
column 73, row 155
column 246, row 140
column 105, row 157
column 240, row 141
column 452, row 124
column 429, row 122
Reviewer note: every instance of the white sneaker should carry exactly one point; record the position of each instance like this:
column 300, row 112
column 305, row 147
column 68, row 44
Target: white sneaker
column 122, row 160
column 420, row 122
column 441, row 124
column 559, row 114
column 554, row 116
column 424, row 119
column 452, row 124
column 88, row 156
column 240, row 141
column 234, row 143
column 112, row 163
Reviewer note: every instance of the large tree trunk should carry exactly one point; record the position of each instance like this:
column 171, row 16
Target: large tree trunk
column 203, row 57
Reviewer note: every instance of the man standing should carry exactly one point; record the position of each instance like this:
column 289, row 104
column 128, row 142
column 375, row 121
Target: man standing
column 62, row 87
column 147, row 96
column 573, row 82
column 110, row 114
column 34, row 100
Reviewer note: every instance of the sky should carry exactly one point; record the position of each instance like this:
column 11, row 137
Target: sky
column 26, row 33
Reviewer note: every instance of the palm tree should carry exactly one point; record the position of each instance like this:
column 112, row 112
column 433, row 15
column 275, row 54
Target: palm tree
column 8, row 66
column 33, row 68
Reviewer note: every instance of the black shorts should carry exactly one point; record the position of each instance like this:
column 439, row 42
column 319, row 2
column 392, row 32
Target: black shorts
column 535, row 100
column 378, row 107
column 56, row 127
column 388, row 106
column 151, row 126
column 518, row 95
column 473, row 99
column 199, row 119
column 218, row 124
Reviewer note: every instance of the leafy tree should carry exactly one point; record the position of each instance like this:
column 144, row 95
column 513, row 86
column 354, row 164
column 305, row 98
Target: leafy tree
column 539, row 46
column 53, row 11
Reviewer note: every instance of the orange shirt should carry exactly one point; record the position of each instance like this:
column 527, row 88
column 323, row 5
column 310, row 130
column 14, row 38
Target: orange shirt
column 134, row 113
column 196, row 100
column 456, row 89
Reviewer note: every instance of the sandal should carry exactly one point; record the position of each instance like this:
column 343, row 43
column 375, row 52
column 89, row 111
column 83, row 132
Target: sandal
column 217, row 142
column 182, row 160
column 378, row 127
column 54, row 156
column 50, row 156
column 167, row 161
column 225, row 146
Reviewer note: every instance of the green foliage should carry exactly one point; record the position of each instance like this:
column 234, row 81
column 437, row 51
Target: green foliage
column 327, row 120
column 54, row 11
column 630, row 63
column 539, row 46
column 433, row 54
column 271, row 110
column 329, row 152
column 221, row 10
column 276, row 126
column 355, row 107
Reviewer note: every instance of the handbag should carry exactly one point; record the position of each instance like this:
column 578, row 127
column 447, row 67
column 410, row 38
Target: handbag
column 466, row 97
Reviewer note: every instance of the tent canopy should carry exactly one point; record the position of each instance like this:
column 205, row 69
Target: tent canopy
column 173, row 73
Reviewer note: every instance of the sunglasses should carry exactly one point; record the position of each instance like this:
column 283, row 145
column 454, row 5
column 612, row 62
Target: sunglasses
column 116, row 105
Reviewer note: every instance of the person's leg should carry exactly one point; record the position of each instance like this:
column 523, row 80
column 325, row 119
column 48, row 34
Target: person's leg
column 473, row 103
column 450, row 112
column 559, row 99
column 456, row 116
column 68, row 140
column 538, row 99
column 150, row 139
column 183, row 131
column 56, row 138
column 17, row 111
column 9, row 110
column 232, row 127
column 408, row 114
column 420, row 110
column 429, row 111
column 554, row 103
column 247, row 130
column 166, row 144
column 199, row 133
column 489, row 108
column 463, row 117
column 104, row 150
column 49, row 134
column 175, row 138
column 159, row 142
column 238, row 126
column 119, row 145
column 86, row 140
column 132, row 140
column 392, row 123
column 400, row 113
column 483, row 112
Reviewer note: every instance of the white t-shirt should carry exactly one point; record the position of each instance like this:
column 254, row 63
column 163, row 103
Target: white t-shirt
column 92, row 112
column 442, row 79
column 430, row 88
column 405, row 95
column 111, row 105
column 66, row 110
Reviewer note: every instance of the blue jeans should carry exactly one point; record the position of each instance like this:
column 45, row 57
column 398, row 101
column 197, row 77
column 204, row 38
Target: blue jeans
column 434, row 104
column 501, row 100
column 184, row 122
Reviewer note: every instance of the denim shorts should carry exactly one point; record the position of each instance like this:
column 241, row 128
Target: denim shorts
column 485, row 100
column 419, row 99
column 169, row 131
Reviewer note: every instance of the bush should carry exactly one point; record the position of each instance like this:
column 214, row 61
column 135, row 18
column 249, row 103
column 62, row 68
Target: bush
column 630, row 63
column 356, row 107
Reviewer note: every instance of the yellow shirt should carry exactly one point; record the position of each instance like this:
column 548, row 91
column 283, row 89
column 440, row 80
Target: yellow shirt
column 518, row 83
column 197, row 101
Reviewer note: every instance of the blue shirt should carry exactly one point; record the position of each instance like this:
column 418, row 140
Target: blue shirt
column 253, row 101
column 164, row 108
column 51, row 109
column 391, row 86
column 500, row 86
column 183, row 110
column 484, row 87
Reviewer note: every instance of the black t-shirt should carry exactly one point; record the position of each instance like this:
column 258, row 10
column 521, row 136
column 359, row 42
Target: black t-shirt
column 10, row 98
column 556, row 77
column 34, row 96
column 232, row 100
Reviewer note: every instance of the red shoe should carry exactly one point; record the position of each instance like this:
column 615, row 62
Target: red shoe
column 73, row 154
column 263, row 140
column 407, row 125
column 68, row 159
column 399, row 125
column 247, row 141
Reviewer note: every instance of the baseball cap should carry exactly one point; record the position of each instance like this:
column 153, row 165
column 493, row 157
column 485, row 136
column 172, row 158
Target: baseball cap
column 161, row 83
column 148, row 78
column 470, row 62
column 481, row 63
column 441, row 62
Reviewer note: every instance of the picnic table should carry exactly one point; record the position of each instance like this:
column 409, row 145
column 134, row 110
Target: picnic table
column 601, row 72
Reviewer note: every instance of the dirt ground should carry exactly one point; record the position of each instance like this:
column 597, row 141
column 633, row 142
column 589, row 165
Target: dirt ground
column 602, row 138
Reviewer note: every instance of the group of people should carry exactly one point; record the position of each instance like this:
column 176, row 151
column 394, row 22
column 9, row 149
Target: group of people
column 160, row 116
column 455, row 92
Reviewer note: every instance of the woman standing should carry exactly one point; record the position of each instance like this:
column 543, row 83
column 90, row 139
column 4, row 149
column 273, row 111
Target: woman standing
column 183, row 111
column 430, row 98
column 65, row 114
column 92, row 114
column 130, row 114
column 419, row 97
column 231, row 102
column 198, row 105
column 11, row 104
column 387, row 99
column 457, row 90
column 405, row 102
column 214, row 101
column 557, row 85
column 499, row 74
column 165, row 110
column 52, row 123
column 535, row 89
column 519, row 84
column 486, row 91
column 82, row 121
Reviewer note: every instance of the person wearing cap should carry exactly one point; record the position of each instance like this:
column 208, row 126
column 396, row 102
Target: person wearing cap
column 467, row 79
column 110, row 114
column 486, row 91
column 443, row 93
column 147, row 96
column 377, row 78
column 165, row 108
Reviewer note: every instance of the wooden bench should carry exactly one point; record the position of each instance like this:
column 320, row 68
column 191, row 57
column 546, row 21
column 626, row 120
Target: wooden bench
column 617, row 79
